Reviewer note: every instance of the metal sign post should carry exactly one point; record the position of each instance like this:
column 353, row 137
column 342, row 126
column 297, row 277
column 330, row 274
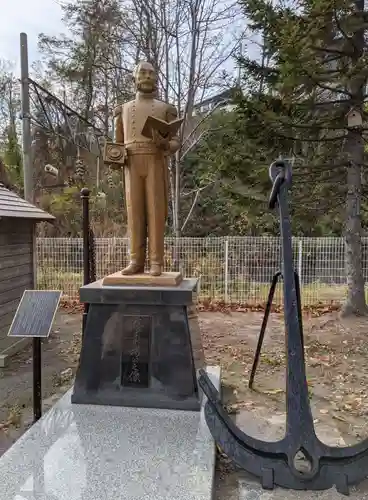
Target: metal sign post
column 34, row 318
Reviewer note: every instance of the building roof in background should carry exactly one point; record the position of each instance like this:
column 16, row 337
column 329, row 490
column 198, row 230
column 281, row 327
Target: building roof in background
column 225, row 95
column 12, row 205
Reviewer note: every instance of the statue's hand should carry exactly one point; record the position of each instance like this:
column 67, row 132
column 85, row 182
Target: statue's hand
column 160, row 141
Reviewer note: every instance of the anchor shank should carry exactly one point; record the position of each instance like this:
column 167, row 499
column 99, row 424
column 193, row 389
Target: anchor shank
column 299, row 422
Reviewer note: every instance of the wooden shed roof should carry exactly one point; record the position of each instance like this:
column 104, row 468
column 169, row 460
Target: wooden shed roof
column 12, row 205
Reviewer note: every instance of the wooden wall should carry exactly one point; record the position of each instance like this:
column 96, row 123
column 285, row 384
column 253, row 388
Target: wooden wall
column 16, row 274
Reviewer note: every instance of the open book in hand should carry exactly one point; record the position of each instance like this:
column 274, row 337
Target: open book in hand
column 166, row 129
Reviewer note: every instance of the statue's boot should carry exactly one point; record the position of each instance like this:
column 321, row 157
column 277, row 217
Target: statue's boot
column 155, row 270
column 133, row 268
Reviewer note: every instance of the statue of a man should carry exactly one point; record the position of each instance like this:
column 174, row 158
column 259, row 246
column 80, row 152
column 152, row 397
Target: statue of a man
column 145, row 171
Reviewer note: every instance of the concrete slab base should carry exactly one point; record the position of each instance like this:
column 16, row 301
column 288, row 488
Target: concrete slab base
column 78, row 452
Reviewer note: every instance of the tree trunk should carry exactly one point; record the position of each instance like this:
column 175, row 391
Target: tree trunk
column 355, row 302
column 354, row 147
column 177, row 195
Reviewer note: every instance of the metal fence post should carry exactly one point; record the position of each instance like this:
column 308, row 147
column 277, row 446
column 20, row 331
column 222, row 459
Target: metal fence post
column 226, row 270
column 300, row 259
column 199, row 287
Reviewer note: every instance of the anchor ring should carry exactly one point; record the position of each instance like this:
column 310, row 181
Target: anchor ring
column 279, row 172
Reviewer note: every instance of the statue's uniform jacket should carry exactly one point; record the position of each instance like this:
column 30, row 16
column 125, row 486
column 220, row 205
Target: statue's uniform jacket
column 146, row 176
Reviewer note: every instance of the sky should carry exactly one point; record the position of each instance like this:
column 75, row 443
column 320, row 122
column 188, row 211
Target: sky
column 31, row 17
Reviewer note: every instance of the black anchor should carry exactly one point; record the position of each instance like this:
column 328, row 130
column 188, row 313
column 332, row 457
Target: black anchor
column 274, row 462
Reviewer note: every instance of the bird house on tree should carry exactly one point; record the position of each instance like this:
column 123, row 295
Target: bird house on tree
column 354, row 118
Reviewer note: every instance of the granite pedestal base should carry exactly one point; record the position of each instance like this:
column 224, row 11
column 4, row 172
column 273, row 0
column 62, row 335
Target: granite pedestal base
column 82, row 452
column 141, row 347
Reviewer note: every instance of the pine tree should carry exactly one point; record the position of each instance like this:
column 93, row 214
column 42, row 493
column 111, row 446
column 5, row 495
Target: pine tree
column 314, row 83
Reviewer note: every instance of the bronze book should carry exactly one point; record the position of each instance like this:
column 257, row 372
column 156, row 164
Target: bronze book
column 166, row 129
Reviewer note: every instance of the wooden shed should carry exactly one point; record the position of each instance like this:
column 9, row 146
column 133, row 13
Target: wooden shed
column 18, row 220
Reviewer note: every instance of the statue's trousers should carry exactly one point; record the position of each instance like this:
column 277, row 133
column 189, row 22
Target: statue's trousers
column 146, row 200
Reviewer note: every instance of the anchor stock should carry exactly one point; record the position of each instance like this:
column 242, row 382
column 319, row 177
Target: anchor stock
column 274, row 462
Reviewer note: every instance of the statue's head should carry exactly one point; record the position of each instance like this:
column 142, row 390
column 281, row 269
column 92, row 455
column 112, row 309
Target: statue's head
column 145, row 77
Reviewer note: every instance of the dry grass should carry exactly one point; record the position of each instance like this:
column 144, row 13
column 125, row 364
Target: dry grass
column 248, row 293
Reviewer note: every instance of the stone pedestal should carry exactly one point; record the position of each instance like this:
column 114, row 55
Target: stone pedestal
column 145, row 279
column 140, row 347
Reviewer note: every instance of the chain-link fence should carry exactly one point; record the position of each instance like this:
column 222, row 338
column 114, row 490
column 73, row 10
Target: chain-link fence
column 233, row 269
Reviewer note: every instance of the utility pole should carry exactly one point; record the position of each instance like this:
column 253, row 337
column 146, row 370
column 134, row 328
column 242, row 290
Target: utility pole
column 26, row 121
column 29, row 196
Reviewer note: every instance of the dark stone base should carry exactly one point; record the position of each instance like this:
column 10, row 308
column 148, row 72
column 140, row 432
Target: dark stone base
column 140, row 347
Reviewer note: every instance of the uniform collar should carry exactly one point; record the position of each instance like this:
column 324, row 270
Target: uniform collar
column 144, row 95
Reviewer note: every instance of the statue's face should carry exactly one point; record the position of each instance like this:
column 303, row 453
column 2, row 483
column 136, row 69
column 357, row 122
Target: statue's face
column 145, row 78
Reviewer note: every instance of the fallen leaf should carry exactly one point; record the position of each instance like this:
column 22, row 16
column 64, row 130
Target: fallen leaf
column 273, row 391
column 339, row 417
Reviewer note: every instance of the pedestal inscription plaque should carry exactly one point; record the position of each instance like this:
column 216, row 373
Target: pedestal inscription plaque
column 135, row 355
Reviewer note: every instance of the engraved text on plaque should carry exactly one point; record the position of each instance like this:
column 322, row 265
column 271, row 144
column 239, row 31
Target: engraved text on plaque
column 135, row 357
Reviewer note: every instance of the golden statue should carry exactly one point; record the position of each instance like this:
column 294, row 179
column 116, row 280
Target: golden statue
column 143, row 126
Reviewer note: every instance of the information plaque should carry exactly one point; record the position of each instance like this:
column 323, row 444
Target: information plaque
column 35, row 314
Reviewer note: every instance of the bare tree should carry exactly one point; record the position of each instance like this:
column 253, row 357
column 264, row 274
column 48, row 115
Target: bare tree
column 190, row 42
column 11, row 168
column 88, row 65
column 9, row 99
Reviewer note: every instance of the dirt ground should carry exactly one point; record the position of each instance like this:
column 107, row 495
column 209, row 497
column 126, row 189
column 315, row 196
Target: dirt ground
column 337, row 370
column 59, row 359
column 336, row 357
